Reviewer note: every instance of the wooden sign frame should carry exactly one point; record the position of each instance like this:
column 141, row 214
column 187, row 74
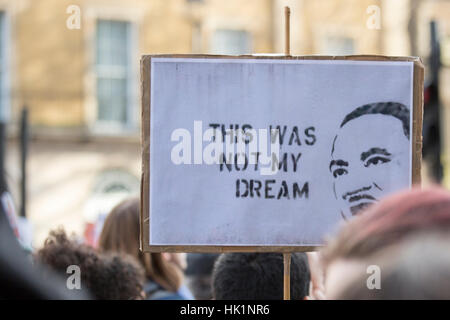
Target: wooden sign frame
column 145, row 145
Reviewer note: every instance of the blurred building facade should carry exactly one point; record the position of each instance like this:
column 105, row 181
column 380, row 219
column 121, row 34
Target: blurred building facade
column 75, row 65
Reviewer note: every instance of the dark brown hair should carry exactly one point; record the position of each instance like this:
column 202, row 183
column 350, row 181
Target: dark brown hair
column 250, row 276
column 121, row 234
column 106, row 276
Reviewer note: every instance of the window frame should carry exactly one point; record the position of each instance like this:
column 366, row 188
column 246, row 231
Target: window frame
column 94, row 126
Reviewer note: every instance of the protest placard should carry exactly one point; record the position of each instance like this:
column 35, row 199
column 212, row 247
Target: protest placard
column 257, row 153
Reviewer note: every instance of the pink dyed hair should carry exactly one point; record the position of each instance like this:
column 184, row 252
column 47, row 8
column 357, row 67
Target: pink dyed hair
column 391, row 221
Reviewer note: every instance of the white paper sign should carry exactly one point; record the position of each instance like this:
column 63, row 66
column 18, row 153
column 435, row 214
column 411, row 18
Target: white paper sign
column 343, row 142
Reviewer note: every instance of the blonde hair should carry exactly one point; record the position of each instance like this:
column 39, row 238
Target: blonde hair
column 121, row 234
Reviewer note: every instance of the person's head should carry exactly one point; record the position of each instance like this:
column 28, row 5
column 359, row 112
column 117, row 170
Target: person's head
column 120, row 233
column 390, row 222
column 22, row 279
column 258, row 276
column 416, row 269
column 199, row 274
column 370, row 154
column 105, row 276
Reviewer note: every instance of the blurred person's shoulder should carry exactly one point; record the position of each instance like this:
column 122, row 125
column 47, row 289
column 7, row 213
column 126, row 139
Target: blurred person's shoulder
column 154, row 291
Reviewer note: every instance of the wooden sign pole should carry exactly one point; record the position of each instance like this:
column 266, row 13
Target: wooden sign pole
column 287, row 276
column 287, row 28
column 287, row 256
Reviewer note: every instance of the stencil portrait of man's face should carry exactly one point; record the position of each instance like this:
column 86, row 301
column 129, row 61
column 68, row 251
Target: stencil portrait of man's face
column 369, row 155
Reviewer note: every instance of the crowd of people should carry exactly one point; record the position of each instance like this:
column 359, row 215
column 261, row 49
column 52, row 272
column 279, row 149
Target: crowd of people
column 397, row 248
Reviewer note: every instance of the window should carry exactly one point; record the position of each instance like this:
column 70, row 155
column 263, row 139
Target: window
column 4, row 88
column 110, row 188
column 2, row 46
column 338, row 46
column 113, row 72
column 231, row 42
column 445, row 51
column 196, row 38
